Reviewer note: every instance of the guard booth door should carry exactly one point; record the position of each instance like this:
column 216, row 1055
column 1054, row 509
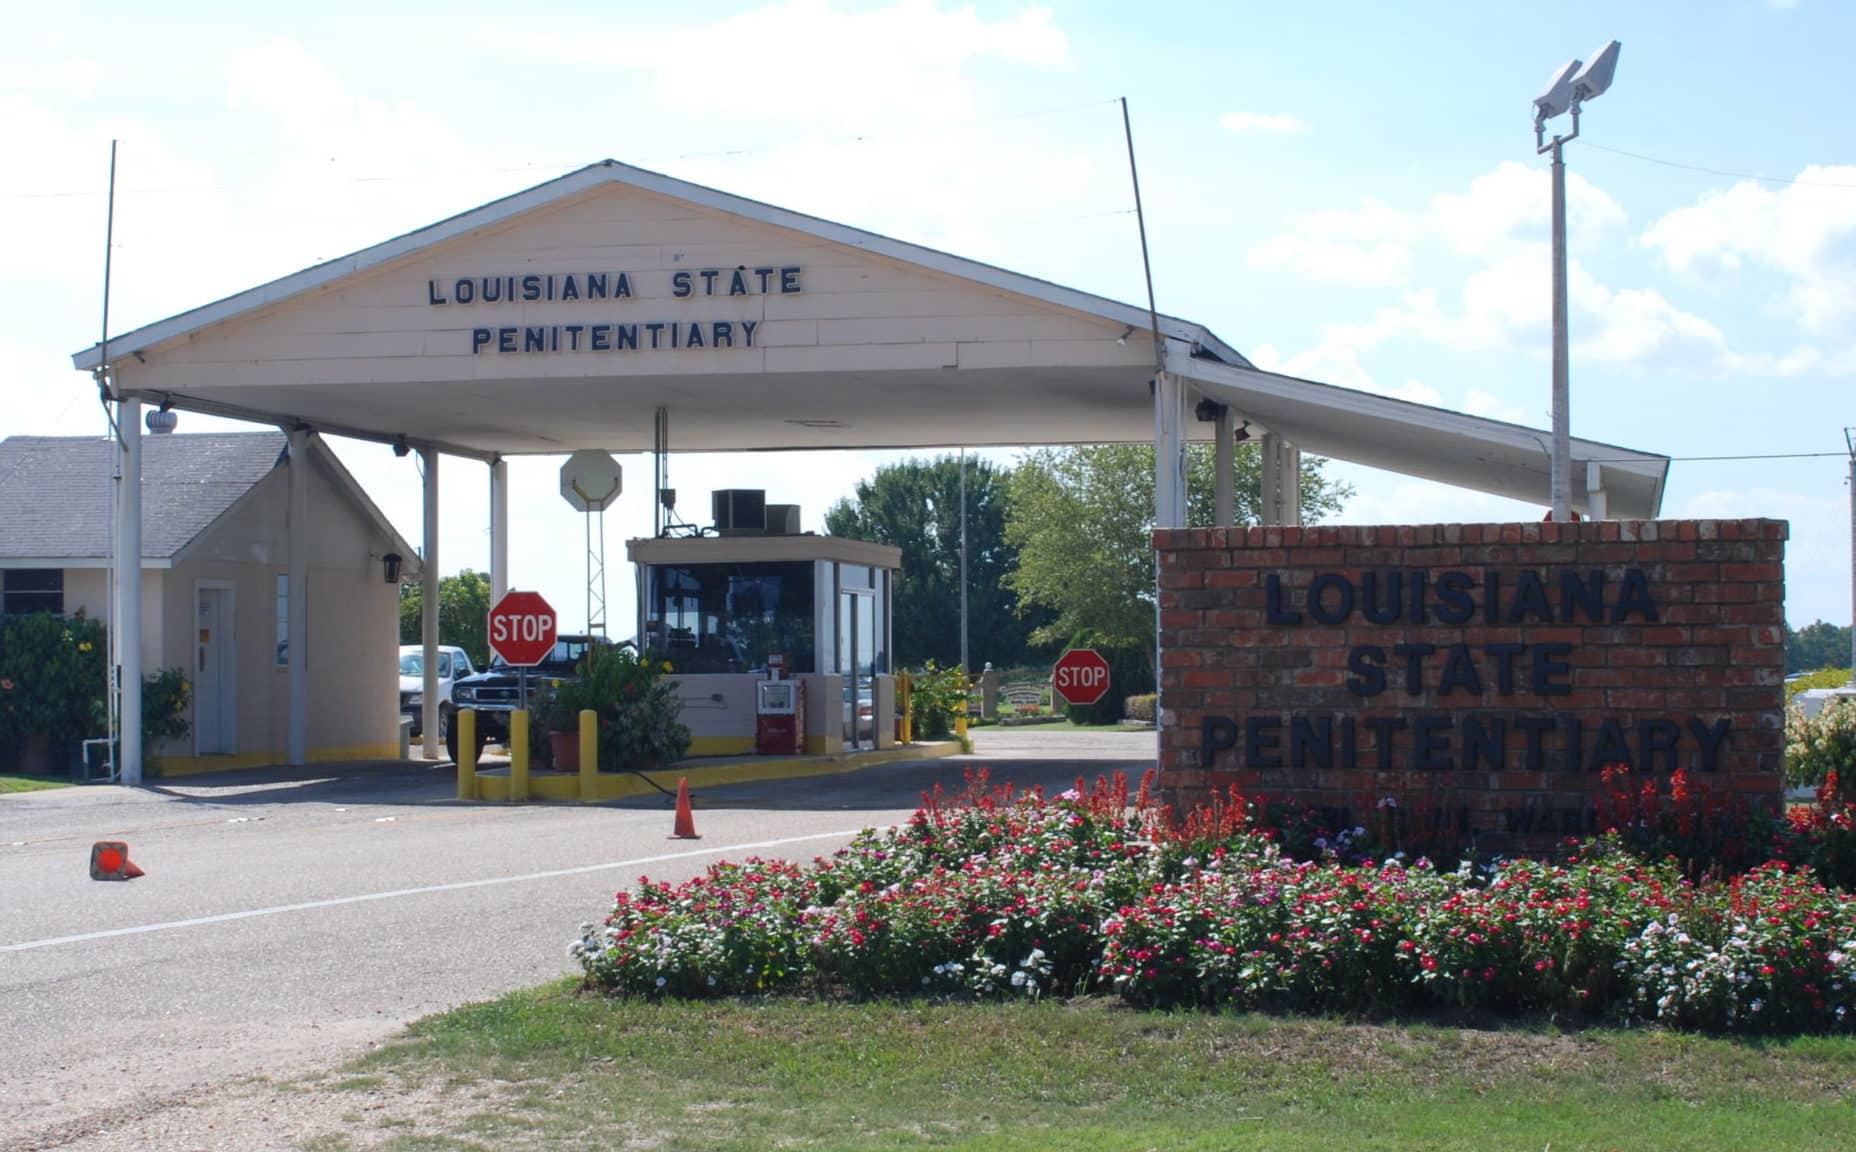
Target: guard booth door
column 857, row 665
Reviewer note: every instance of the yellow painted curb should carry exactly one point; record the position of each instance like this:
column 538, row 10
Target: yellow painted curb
column 565, row 786
column 170, row 766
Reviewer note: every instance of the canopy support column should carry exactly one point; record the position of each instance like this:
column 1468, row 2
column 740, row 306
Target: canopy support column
column 296, row 600
column 1224, row 467
column 428, row 605
column 1289, row 486
column 1595, row 491
column 129, row 590
column 499, row 529
column 1169, row 451
column 1282, row 481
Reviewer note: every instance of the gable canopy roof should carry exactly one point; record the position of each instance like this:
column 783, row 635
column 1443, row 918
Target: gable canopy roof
column 55, row 493
column 894, row 345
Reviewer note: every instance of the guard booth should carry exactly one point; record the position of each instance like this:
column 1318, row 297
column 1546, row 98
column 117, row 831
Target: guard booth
column 723, row 604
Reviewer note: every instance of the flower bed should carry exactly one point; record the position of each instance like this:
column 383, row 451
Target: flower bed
column 995, row 895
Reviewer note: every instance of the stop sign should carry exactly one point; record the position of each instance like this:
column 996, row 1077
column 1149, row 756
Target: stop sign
column 1081, row 676
column 522, row 629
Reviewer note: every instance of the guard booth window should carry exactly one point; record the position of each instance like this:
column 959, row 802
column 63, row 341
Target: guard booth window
column 32, row 590
column 728, row 617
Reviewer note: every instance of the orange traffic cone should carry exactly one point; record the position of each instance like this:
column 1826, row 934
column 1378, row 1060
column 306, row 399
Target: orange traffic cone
column 109, row 860
column 686, row 823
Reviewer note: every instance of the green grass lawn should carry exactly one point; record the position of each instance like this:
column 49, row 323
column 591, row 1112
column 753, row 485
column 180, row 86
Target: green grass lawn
column 552, row 1068
column 29, row 784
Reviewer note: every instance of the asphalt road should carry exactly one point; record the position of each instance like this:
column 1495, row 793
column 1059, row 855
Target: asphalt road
column 288, row 919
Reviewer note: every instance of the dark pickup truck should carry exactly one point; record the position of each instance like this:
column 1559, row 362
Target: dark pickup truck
column 493, row 692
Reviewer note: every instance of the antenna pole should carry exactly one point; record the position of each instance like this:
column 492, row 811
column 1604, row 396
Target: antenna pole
column 112, row 696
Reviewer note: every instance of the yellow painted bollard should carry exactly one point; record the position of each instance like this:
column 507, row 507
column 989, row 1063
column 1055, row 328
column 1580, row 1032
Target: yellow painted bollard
column 905, row 687
column 960, row 717
column 589, row 756
column 518, row 754
column 466, row 721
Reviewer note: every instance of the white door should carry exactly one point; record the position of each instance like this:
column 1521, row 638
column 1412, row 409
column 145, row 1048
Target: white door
column 215, row 676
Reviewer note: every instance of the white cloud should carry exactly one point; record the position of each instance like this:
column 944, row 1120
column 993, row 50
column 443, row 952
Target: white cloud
column 1263, row 124
column 1504, row 212
column 807, row 60
column 1512, row 205
column 1369, row 246
column 1805, row 231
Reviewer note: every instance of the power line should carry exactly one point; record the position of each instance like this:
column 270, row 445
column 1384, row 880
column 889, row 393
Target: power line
column 1701, row 459
column 1720, row 171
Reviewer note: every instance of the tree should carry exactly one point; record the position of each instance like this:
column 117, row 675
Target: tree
column 1816, row 645
column 915, row 506
column 1082, row 518
column 463, row 613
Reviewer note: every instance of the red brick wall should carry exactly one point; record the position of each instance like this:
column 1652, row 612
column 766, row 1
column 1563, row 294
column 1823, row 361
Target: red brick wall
column 1679, row 661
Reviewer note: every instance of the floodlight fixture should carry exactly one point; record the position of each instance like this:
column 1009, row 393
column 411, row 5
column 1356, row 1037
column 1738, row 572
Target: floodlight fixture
column 1595, row 77
column 1569, row 88
column 1558, row 98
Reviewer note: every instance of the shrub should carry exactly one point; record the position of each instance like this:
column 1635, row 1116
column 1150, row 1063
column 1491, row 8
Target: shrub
column 936, row 696
column 53, row 673
column 1821, row 745
column 1142, row 707
column 638, row 708
column 1822, row 678
column 165, row 698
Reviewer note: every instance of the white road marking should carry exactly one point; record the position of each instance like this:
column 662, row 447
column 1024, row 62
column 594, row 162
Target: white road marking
column 461, row 885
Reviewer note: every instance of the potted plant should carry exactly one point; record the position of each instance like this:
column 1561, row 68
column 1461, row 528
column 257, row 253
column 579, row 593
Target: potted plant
column 559, row 714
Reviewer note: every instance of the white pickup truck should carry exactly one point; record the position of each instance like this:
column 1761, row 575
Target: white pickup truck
column 453, row 665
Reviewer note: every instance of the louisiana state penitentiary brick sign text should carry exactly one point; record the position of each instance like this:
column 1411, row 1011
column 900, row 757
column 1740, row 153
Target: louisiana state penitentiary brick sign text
column 1495, row 669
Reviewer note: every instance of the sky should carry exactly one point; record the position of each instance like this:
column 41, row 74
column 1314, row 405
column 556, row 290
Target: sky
column 1350, row 195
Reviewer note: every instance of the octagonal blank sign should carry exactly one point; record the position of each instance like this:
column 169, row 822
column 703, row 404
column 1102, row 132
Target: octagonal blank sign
column 591, row 480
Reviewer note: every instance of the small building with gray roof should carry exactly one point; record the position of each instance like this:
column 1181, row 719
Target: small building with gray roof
column 215, row 591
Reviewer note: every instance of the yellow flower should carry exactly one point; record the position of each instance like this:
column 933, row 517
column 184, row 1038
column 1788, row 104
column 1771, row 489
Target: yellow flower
column 667, row 667
column 84, row 646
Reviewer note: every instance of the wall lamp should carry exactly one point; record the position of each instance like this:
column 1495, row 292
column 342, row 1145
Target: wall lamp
column 400, row 447
column 392, row 561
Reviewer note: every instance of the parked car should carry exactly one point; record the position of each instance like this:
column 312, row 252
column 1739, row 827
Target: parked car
column 453, row 665
column 493, row 691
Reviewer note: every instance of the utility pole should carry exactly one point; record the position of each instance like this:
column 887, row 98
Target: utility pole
column 964, row 666
column 1849, row 439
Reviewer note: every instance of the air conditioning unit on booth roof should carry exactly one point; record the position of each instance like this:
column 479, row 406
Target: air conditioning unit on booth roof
column 782, row 519
column 740, row 511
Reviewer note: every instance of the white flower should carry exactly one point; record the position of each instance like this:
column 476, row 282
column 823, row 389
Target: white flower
column 1018, row 979
column 661, row 981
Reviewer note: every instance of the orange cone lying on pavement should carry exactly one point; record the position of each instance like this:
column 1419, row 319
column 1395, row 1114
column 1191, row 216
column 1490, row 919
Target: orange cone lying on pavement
column 109, row 860
column 686, row 823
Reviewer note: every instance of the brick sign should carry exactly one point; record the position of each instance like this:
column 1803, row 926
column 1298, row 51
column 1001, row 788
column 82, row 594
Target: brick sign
column 1493, row 669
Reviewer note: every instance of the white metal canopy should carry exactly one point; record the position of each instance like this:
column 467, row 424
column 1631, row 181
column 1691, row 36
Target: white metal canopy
column 892, row 345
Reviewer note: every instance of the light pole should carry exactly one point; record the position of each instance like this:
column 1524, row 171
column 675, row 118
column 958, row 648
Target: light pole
column 1569, row 88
